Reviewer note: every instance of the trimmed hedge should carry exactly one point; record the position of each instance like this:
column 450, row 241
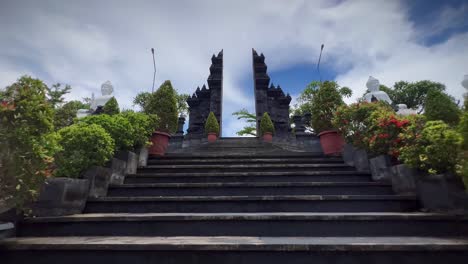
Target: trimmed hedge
column 266, row 125
column 212, row 125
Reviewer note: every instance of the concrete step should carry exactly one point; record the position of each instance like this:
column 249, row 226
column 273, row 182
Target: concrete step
column 249, row 224
column 237, row 155
column 276, row 176
column 233, row 250
column 222, row 160
column 250, row 188
column 244, row 168
column 244, row 204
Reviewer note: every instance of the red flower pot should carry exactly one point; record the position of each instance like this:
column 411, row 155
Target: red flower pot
column 267, row 137
column 160, row 142
column 332, row 142
column 212, row 137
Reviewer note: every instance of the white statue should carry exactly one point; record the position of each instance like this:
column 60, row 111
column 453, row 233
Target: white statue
column 373, row 85
column 404, row 111
column 106, row 94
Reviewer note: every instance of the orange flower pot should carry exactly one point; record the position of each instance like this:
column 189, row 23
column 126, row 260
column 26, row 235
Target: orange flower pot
column 212, row 137
column 160, row 142
column 332, row 142
column 267, row 137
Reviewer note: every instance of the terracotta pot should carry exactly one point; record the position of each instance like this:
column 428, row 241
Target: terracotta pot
column 268, row 137
column 160, row 142
column 212, row 137
column 332, row 142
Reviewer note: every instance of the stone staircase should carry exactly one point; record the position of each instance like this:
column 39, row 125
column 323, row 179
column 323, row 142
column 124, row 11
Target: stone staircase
column 241, row 201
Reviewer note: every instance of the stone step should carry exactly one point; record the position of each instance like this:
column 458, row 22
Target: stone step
column 237, row 155
column 233, row 250
column 244, row 204
column 244, row 168
column 276, row 176
column 221, row 160
column 250, row 188
column 248, row 224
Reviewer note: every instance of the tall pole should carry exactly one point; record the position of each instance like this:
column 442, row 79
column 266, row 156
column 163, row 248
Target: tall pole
column 318, row 64
column 154, row 64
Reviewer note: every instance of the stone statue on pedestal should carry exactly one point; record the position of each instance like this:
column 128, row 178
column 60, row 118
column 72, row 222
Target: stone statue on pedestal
column 106, row 94
column 374, row 93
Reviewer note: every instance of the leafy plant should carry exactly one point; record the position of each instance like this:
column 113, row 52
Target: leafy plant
column 441, row 106
column 142, row 126
column 142, row 100
column 354, row 121
column 266, row 125
column 27, row 141
column 325, row 98
column 65, row 115
column 211, row 125
column 56, row 93
column 111, row 107
column 83, row 146
column 250, row 128
column 463, row 130
column 435, row 150
column 118, row 127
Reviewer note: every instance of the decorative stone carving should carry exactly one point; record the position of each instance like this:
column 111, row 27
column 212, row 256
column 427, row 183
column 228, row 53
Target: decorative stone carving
column 270, row 99
column 374, row 93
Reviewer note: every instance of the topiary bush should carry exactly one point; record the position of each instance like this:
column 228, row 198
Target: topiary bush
column 163, row 103
column 440, row 106
column 212, row 125
column 142, row 127
column 111, row 107
column 435, row 150
column 354, row 121
column 83, row 146
column 266, row 125
column 118, row 127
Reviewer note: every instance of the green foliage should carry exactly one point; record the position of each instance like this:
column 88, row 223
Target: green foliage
column 56, row 93
column 83, row 146
column 142, row 126
column 266, row 125
column 463, row 130
column 182, row 106
column 65, row 115
column 435, row 150
column 212, row 125
column 322, row 100
column 111, row 107
column 162, row 103
column 251, row 120
column 440, row 106
column 117, row 126
column 27, row 141
column 142, row 100
column 354, row 121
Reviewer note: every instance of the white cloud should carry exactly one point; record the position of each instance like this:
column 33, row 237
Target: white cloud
column 85, row 43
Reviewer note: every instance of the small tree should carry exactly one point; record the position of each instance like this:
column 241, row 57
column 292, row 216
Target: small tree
column 65, row 115
column 111, row 107
column 212, row 125
column 56, row 93
column 440, row 106
column 266, row 125
column 251, row 120
column 163, row 103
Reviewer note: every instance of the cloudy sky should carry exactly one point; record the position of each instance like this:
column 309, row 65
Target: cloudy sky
column 84, row 43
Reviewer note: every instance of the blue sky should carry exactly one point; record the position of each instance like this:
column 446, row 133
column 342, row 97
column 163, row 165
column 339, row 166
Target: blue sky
column 84, row 43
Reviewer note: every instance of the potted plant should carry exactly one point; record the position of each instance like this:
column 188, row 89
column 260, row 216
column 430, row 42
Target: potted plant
column 435, row 153
column 326, row 98
column 212, row 127
column 267, row 128
column 162, row 103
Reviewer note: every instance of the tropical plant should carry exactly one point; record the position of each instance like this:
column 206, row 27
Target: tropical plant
column 56, row 93
column 66, row 114
column 142, row 100
column 250, row 129
column 436, row 150
column 83, row 146
column 441, row 106
column 266, row 125
column 27, row 141
column 142, row 126
column 111, row 107
column 325, row 98
column 212, row 125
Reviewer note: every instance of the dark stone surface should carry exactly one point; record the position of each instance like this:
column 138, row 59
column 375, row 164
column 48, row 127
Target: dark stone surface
column 142, row 156
column 131, row 161
column 378, row 168
column 204, row 101
column 441, row 192
column 361, row 160
column 348, row 154
column 403, row 179
column 269, row 98
column 118, row 171
column 99, row 178
column 61, row 196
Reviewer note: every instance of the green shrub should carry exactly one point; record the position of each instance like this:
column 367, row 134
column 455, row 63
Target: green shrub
column 212, row 125
column 82, row 147
column 326, row 98
column 65, row 115
column 111, row 107
column 440, row 106
column 27, row 141
column 117, row 126
column 163, row 103
column 435, row 150
column 266, row 125
column 463, row 130
column 354, row 121
column 142, row 126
